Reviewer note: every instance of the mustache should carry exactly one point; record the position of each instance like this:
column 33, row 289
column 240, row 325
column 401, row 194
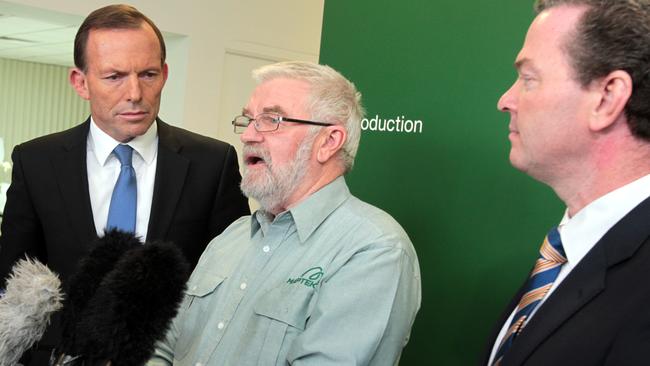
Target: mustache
column 258, row 151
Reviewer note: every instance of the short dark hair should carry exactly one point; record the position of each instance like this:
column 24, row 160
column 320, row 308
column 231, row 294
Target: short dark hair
column 613, row 35
column 117, row 16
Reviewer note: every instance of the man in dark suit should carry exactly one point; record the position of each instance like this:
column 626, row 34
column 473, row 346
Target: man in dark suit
column 580, row 122
column 61, row 194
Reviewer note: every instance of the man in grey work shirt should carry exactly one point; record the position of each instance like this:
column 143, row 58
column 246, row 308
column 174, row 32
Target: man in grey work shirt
column 316, row 276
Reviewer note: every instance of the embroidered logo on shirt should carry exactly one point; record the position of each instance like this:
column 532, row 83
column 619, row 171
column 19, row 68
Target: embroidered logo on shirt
column 311, row 277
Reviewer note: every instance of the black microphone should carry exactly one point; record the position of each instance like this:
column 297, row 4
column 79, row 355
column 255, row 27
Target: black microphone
column 33, row 293
column 124, row 304
column 83, row 284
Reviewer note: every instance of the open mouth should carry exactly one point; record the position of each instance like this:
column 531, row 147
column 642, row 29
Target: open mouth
column 255, row 155
column 253, row 160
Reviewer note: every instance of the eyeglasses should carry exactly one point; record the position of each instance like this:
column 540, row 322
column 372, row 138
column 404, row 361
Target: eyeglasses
column 267, row 122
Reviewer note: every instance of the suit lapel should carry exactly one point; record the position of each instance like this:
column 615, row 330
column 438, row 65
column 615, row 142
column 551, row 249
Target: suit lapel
column 584, row 282
column 72, row 179
column 171, row 172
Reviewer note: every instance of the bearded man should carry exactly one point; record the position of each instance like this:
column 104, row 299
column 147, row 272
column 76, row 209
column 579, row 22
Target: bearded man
column 316, row 276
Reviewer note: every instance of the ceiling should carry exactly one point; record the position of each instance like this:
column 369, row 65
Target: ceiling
column 37, row 40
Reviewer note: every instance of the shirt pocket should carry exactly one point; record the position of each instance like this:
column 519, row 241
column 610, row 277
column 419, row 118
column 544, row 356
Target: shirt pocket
column 203, row 285
column 192, row 319
column 288, row 308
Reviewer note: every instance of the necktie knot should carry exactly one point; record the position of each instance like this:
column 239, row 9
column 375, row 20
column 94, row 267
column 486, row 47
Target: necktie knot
column 552, row 250
column 124, row 154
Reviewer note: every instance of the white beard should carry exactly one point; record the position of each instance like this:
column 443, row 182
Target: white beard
column 273, row 186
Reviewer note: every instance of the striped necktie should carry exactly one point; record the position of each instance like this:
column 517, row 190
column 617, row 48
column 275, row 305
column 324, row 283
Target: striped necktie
column 547, row 267
column 122, row 211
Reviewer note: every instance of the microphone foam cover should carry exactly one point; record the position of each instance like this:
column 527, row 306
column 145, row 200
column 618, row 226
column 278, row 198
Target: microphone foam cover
column 33, row 293
column 106, row 251
column 133, row 306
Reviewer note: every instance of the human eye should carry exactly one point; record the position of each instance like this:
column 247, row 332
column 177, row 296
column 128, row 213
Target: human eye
column 112, row 77
column 149, row 75
column 527, row 80
column 268, row 118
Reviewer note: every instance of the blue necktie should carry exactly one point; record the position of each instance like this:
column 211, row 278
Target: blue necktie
column 121, row 213
column 547, row 267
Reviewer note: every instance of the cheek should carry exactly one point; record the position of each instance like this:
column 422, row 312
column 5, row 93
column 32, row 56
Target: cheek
column 153, row 91
column 282, row 155
column 103, row 96
column 540, row 111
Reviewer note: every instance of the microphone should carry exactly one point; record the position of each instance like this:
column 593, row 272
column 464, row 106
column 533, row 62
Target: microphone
column 83, row 284
column 122, row 309
column 33, row 293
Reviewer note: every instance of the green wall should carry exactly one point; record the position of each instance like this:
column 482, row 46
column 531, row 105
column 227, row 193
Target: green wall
column 475, row 221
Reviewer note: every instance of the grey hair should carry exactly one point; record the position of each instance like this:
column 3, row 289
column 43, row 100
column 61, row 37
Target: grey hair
column 332, row 98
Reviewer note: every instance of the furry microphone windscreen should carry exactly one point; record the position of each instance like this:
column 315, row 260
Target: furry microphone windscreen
column 132, row 307
column 106, row 251
column 33, row 293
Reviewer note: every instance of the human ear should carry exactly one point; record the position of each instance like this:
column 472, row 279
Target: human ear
column 77, row 79
column 165, row 72
column 612, row 92
column 330, row 142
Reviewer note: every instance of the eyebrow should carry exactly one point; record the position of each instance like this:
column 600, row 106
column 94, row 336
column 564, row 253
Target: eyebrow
column 275, row 109
column 525, row 62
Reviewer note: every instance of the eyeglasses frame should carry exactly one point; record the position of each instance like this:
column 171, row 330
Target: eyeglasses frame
column 277, row 123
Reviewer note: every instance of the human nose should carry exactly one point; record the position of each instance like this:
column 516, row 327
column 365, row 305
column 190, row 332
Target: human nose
column 134, row 90
column 250, row 134
column 507, row 101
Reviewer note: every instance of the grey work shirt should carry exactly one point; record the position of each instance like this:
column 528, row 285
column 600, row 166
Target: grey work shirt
column 332, row 281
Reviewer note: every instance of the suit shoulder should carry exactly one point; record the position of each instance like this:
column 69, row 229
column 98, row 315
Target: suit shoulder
column 43, row 144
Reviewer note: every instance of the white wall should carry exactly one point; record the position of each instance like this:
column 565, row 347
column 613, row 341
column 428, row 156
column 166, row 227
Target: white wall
column 217, row 43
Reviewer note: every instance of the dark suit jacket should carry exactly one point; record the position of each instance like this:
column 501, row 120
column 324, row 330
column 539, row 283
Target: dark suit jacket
column 600, row 313
column 48, row 213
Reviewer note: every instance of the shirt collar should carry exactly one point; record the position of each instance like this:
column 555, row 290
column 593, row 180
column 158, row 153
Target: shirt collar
column 311, row 212
column 102, row 144
column 582, row 231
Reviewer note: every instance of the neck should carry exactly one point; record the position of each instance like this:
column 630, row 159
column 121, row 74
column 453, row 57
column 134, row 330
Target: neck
column 614, row 163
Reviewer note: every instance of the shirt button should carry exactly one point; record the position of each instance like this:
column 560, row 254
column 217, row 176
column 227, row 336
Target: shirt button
column 266, row 249
column 220, row 325
column 199, row 364
column 194, row 288
column 243, row 286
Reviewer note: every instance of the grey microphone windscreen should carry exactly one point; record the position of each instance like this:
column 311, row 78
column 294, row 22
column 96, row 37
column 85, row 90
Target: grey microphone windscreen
column 32, row 294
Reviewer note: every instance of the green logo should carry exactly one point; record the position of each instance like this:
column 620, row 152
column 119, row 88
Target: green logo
column 310, row 278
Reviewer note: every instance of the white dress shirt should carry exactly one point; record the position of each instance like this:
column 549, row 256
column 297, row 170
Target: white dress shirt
column 104, row 169
column 581, row 232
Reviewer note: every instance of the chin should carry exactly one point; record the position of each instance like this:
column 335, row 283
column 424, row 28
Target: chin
column 138, row 129
column 517, row 162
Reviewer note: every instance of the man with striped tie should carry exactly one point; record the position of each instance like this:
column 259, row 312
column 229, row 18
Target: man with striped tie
column 580, row 122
